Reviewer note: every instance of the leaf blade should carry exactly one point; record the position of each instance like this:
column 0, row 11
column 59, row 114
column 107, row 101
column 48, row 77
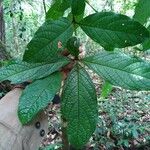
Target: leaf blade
column 142, row 11
column 44, row 45
column 18, row 72
column 106, row 89
column 73, row 45
column 79, row 108
column 57, row 9
column 37, row 96
column 112, row 30
column 146, row 44
column 121, row 70
column 78, row 7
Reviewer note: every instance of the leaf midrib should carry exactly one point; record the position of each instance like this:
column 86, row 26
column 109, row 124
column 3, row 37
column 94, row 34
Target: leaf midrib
column 66, row 28
column 44, row 89
column 53, row 40
column 12, row 75
column 108, row 30
column 115, row 69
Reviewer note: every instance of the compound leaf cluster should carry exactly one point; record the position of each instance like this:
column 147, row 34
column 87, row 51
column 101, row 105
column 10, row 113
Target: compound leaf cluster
column 44, row 59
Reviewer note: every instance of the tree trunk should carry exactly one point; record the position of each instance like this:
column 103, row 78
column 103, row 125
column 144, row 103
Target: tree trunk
column 4, row 86
column 3, row 54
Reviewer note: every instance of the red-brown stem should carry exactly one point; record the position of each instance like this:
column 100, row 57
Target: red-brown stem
column 65, row 136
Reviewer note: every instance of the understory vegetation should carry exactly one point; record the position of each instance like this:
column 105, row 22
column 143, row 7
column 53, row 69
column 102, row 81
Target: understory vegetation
column 95, row 56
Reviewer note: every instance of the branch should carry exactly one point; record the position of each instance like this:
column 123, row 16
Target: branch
column 44, row 4
column 91, row 6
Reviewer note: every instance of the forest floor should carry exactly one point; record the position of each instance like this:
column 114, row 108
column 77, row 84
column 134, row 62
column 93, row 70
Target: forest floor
column 124, row 122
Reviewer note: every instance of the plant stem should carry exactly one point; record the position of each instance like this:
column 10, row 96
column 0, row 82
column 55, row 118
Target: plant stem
column 44, row 4
column 65, row 141
column 74, row 25
column 91, row 6
column 65, row 136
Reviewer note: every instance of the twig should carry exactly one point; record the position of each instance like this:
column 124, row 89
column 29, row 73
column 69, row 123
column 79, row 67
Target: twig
column 74, row 24
column 65, row 141
column 64, row 136
column 44, row 4
column 91, row 6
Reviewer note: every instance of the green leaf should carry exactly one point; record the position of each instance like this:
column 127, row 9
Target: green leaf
column 79, row 106
column 78, row 7
column 18, row 72
column 37, row 96
column 142, row 11
column 126, row 143
column 146, row 44
column 121, row 70
column 57, row 9
column 106, row 89
column 51, row 147
column 112, row 30
column 76, row 18
column 44, row 46
column 73, row 45
column 135, row 133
